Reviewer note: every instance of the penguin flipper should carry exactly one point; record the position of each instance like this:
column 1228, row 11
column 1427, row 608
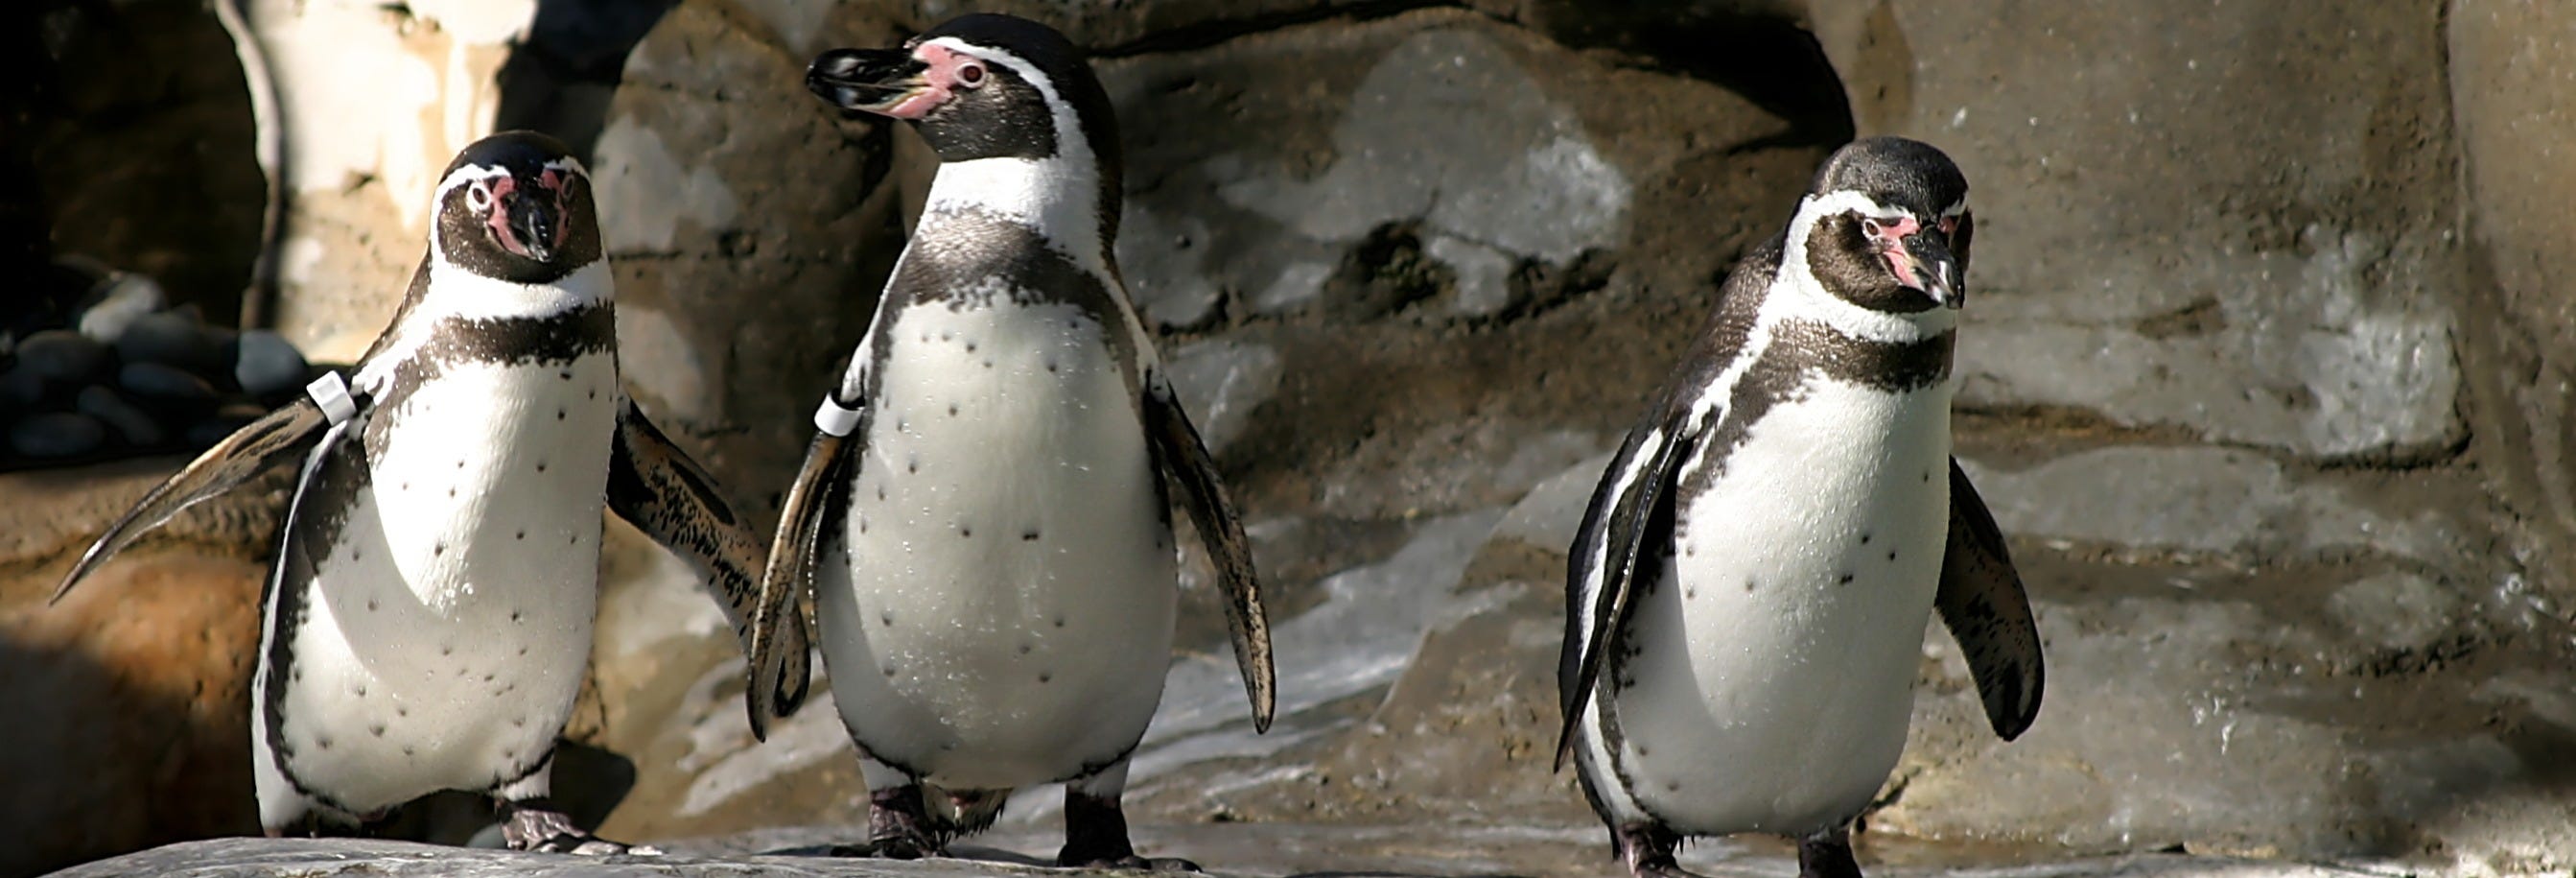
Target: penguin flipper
column 1185, row 458
column 1629, row 512
column 779, row 623
column 654, row 485
column 1982, row 603
column 280, row 435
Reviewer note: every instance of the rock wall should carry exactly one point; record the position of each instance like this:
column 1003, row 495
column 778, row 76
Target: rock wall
column 2264, row 370
column 2219, row 379
column 372, row 101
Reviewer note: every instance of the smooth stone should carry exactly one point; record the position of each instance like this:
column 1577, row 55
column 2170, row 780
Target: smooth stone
column 123, row 298
column 20, row 389
column 175, row 338
column 129, row 420
column 62, row 356
column 167, row 384
column 86, row 266
column 56, row 434
column 265, row 363
column 206, row 433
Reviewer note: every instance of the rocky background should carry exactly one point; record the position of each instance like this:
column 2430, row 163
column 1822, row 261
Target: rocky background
column 2265, row 370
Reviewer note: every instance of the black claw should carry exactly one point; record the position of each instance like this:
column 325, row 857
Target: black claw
column 535, row 825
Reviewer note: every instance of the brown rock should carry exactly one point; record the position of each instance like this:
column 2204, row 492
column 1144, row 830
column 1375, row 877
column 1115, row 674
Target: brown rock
column 134, row 695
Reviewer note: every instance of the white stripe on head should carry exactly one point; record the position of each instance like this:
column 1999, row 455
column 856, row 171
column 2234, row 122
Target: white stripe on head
column 461, row 177
column 1057, row 196
column 469, row 174
column 1955, row 209
column 1796, row 288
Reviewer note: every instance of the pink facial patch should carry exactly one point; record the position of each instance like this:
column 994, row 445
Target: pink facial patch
column 553, row 182
column 499, row 218
column 938, row 83
column 1890, row 237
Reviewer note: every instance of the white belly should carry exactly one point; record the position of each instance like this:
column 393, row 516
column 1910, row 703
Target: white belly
column 1776, row 651
column 449, row 621
column 997, row 608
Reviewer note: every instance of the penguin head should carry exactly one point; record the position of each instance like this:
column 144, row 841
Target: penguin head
column 516, row 206
column 1886, row 226
column 977, row 87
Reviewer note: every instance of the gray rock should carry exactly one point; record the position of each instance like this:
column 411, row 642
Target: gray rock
column 1162, row 261
column 166, row 386
column 175, row 338
column 61, row 356
column 1220, row 383
column 20, row 389
column 2172, row 232
column 229, row 417
column 125, row 298
column 1548, row 515
column 694, row 214
column 129, row 421
column 1484, row 275
column 1444, row 130
column 56, row 434
column 1226, row 849
column 2203, row 500
column 268, row 364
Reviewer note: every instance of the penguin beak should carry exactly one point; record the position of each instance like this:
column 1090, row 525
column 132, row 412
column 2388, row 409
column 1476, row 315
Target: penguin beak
column 1928, row 267
column 1918, row 257
column 533, row 222
column 887, row 82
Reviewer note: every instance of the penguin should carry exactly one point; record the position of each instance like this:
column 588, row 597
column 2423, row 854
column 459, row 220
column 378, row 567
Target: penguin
column 982, row 520
column 1747, row 592
column 427, row 620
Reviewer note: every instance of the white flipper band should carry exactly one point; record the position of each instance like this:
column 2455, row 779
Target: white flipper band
column 832, row 418
column 332, row 394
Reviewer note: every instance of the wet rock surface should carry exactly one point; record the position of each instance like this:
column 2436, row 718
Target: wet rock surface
column 1240, row 850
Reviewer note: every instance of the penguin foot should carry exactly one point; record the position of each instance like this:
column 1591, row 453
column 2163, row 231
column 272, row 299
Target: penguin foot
column 898, row 827
column 1132, row 862
column 1648, row 848
column 535, row 825
column 1095, row 837
column 1827, row 854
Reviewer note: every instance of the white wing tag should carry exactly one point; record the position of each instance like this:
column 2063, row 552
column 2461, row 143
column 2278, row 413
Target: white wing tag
column 332, row 394
column 832, row 418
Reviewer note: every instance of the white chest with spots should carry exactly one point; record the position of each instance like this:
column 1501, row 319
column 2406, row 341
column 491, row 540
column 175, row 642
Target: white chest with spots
column 445, row 631
column 997, row 604
column 1775, row 643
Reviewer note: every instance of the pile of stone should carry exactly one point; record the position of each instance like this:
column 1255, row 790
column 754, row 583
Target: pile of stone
column 123, row 375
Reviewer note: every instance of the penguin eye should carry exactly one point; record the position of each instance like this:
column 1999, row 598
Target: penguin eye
column 970, row 74
column 1869, row 226
column 1949, row 226
column 478, row 196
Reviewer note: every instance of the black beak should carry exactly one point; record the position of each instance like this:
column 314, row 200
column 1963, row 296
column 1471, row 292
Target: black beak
column 533, row 220
column 1936, row 271
column 869, row 80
